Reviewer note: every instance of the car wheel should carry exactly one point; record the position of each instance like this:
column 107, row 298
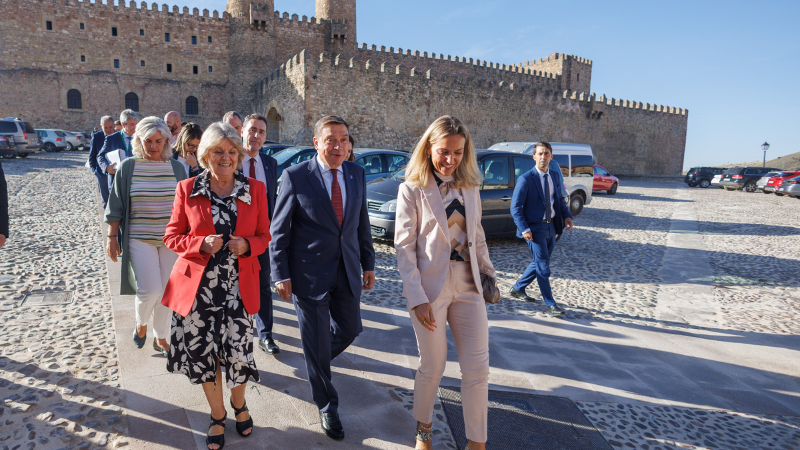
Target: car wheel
column 750, row 186
column 23, row 155
column 49, row 147
column 613, row 189
column 779, row 195
column 692, row 184
column 9, row 155
column 705, row 183
column 576, row 202
column 70, row 147
column 765, row 192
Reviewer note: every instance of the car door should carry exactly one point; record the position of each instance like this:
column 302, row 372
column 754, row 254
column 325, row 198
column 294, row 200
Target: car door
column 373, row 166
column 395, row 163
column 601, row 180
column 496, row 192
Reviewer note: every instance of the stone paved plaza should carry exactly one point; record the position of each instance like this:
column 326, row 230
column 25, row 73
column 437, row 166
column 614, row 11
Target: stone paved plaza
column 682, row 331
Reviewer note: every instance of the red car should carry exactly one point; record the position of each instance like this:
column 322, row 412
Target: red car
column 774, row 182
column 604, row 181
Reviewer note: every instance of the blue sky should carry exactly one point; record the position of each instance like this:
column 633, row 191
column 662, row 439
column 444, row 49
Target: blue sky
column 734, row 65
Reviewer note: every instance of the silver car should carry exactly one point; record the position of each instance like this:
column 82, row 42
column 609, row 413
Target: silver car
column 21, row 133
column 75, row 141
column 53, row 140
column 761, row 184
column 790, row 187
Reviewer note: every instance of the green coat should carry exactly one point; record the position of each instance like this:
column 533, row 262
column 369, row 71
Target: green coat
column 118, row 208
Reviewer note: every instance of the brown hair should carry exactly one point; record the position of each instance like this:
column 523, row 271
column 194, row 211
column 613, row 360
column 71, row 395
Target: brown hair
column 544, row 144
column 189, row 132
column 254, row 117
column 329, row 120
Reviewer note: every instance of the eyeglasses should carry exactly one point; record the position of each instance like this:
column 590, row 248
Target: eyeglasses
column 191, row 147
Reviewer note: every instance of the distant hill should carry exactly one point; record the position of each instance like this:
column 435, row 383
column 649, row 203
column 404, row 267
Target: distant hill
column 788, row 162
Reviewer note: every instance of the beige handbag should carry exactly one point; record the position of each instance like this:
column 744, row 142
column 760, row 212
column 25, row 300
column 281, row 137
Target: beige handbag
column 490, row 292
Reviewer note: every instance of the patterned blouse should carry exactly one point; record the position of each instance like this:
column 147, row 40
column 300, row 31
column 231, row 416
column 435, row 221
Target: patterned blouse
column 456, row 216
column 153, row 186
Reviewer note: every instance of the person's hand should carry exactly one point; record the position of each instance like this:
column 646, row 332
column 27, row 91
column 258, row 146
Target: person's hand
column 211, row 243
column 191, row 159
column 238, row 245
column 2, row 240
column 568, row 225
column 285, row 290
column 424, row 314
column 112, row 248
column 528, row 235
column 111, row 168
column 369, row 280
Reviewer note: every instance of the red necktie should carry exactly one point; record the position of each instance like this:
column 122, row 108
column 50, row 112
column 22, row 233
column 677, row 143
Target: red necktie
column 336, row 196
column 252, row 167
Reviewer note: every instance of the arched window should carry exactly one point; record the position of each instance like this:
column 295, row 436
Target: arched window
column 132, row 101
column 74, row 99
column 191, row 106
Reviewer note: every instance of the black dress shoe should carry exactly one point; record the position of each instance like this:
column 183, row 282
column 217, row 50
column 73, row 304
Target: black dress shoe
column 555, row 311
column 269, row 346
column 513, row 293
column 331, row 425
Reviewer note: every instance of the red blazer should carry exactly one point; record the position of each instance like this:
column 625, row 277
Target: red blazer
column 190, row 223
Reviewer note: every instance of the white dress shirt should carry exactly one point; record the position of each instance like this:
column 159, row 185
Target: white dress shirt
column 327, row 178
column 260, row 174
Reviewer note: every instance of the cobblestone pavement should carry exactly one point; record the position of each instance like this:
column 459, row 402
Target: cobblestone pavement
column 59, row 367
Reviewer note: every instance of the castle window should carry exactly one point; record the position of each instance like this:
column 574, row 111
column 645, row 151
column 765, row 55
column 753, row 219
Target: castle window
column 49, row 25
column 577, row 77
column 210, row 69
column 191, row 106
column 132, row 101
column 82, row 26
column 142, row 62
column 194, row 40
column 166, row 37
column 74, row 99
column 116, row 64
column 83, row 58
column 209, row 39
column 169, row 68
column 141, row 32
column 114, row 31
column 194, row 70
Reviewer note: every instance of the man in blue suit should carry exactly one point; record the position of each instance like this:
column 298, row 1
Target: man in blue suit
column 98, row 139
column 321, row 243
column 121, row 140
column 540, row 213
column 263, row 168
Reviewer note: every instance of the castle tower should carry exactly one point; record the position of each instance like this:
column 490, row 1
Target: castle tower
column 240, row 9
column 342, row 15
column 251, row 48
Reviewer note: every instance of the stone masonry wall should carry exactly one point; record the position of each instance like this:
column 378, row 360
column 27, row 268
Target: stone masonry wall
column 575, row 72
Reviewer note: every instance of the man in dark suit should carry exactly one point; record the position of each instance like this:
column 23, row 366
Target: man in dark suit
column 321, row 243
column 121, row 140
column 263, row 168
column 3, row 208
column 540, row 213
column 98, row 139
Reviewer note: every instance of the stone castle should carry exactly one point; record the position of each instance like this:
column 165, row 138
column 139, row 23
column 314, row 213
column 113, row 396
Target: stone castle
column 65, row 63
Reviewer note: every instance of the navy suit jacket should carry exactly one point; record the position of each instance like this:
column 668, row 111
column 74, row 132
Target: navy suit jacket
column 271, row 170
column 307, row 240
column 98, row 139
column 112, row 142
column 3, row 203
column 528, row 202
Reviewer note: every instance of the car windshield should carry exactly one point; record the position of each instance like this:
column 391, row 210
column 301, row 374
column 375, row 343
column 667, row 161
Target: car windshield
column 733, row 171
column 400, row 175
column 286, row 154
column 693, row 170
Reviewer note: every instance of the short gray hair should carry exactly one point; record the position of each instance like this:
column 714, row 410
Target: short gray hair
column 146, row 128
column 105, row 119
column 230, row 114
column 124, row 116
column 214, row 134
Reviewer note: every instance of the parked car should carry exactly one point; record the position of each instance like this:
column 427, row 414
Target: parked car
column 74, row 141
column 500, row 171
column 702, row 176
column 775, row 181
column 604, row 181
column 85, row 137
column 715, row 182
column 272, row 148
column 790, row 187
column 762, row 182
column 22, row 134
column 576, row 161
column 53, row 140
column 744, row 178
column 380, row 163
column 8, row 148
column 291, row 156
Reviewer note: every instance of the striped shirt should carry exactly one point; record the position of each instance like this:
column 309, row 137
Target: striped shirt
column 152, row 193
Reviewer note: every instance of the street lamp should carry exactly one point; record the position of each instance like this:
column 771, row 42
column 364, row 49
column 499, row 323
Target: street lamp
column 764, row 147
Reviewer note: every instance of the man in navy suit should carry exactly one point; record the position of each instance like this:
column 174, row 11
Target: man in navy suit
column 321, row 243
column 540, row 213
column 3, row 208
column 121, row 140
column 263, row 168
column 98, row 139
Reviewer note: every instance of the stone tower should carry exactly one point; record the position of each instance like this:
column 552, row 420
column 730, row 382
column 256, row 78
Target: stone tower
column 251, row 48
column 342, row 15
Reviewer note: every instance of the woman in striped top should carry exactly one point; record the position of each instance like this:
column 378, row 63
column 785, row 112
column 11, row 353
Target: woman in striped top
column 137, row 213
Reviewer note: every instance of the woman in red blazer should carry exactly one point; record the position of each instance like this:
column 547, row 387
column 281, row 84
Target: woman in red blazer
column 219, row 226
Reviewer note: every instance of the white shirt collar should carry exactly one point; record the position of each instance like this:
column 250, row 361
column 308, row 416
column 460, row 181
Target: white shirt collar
column 248, row 157
column 125, row 134
column 324, row 167
column 540, row 171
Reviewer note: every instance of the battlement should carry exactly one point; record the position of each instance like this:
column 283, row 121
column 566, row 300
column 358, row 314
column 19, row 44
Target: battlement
column 133, row 6
column 294, row 20
column 555, row 57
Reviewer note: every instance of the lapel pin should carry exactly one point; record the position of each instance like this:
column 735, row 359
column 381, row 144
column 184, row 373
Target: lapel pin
column 351, row 177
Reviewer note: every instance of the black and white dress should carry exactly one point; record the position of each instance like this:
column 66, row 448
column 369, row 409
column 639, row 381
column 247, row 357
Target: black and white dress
column 218, row 327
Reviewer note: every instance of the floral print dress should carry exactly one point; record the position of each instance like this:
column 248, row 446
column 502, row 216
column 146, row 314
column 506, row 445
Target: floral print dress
column 218, row 327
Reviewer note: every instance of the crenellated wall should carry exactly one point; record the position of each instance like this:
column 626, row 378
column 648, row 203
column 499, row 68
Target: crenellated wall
column 575, row 72
column 390, row 106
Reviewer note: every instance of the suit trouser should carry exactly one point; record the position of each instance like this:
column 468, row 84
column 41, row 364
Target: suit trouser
column 462, row 307
column 102, row 185
column 327, row 327
column 263, row 328
column 152, row 265
column 541, row 246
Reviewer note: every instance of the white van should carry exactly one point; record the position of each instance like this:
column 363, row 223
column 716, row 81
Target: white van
column 576, row 161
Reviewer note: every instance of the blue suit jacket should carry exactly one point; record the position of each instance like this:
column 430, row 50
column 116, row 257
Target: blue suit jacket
column 98, row 139
column 271, row 170
column 528, row 202
column 307, row 240
column 112, row 142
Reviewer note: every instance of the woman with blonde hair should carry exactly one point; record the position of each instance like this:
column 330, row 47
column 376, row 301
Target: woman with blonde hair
column 138, row 209
column 441, row 254
column 185, row 148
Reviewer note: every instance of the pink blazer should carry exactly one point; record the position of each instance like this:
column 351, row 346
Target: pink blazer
column 422, row 241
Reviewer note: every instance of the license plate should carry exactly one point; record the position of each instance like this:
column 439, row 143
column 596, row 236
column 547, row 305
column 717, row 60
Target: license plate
column 780, row 189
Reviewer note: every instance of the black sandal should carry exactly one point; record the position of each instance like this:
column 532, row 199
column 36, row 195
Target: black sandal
column 220, row 438
column 242, row 426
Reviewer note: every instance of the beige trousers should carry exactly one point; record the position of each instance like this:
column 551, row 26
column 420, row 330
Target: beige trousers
column 462, row 307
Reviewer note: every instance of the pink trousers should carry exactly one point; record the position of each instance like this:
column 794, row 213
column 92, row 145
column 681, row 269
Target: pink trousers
column 462, row 307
